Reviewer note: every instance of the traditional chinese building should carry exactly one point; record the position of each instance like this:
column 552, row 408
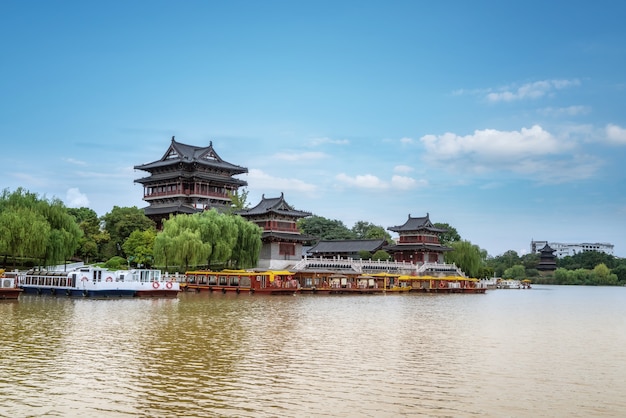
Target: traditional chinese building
column 418, row 242
column 547, row 259
column 188, row 179
column 346, row 248
column 282, row 241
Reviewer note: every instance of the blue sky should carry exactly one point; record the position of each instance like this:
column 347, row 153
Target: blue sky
column 504, row 119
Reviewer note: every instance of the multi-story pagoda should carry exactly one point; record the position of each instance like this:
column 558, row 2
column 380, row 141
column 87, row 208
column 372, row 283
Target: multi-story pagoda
column 547, row 259
column 418, row 242
column 282, row 241
column 188, row 179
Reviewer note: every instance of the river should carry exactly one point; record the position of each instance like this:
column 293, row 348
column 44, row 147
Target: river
column 549, row 351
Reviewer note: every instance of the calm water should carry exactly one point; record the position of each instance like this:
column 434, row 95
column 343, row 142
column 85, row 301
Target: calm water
column 548, row 351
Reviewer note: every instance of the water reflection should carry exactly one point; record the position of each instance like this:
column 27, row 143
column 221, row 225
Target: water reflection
column 540, row 352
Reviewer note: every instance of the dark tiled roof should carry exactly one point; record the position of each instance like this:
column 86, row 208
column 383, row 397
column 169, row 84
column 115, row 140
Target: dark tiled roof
column 417, row 247
column 415, row 224
column 165, row 209
column 183, row 153
column 282, row 236
column 347, row 246
column 274, row 204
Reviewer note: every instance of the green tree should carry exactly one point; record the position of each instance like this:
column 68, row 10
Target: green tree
column 324, row 229
column 467, row 256
column 219, row 232
column 239, row 200
column 119, row 224
column 45, row 229
column 93, row 237
column 367, row 230
column 381, row 255
column 23, row 232
column 515, row 272
column 247, row 247
column 139, row 247
column 451, row 235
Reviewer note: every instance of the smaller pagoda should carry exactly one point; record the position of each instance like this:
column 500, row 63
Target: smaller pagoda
column 418, row 242
column 547, row 259
column 281, row 240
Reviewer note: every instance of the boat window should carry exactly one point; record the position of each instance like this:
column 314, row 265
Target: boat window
column 234, row 281
column 212, row 280
column 223, row 280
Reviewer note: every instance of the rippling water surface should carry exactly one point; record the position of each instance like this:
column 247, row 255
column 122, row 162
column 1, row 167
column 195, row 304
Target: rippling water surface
column 548, row 351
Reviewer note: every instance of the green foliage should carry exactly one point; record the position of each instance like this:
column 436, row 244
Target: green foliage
column 208, row 237
column 600, row 275
column 381, row 255
column 116, row 263
column 587, row 260
column 620, row 273
column 451, row 235
column 120, row 223
column 139, row 247
column 239, row 200
column 324, row 229
column 502, row 262
column 94, row 238
column 467, row 256
column 367, row 230
column 38, row 228
column 247, row 248
column 515, row 272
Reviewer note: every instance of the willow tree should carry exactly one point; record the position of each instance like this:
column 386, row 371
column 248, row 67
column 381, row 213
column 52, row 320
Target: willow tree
column 38, row 228
column 467, row 256
column 219, row 233
column 64, row 232
column 248, row 244
column 23, row 232
column 180, row 243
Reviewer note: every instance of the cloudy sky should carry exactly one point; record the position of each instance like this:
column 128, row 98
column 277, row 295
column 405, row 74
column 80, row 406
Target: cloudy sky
column 504, row 119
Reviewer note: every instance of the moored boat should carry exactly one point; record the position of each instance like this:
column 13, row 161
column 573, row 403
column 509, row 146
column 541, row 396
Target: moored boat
column 443, row 284
column 9, row 289
column 270, row 282
column 95, row 282
column 150, row 283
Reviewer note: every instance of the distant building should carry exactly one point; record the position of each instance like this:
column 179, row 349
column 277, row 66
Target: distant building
column 346, row 248
column 418, row 242
column 281, row 239
column 188, row 179
column 563, row 250
column 547, row 259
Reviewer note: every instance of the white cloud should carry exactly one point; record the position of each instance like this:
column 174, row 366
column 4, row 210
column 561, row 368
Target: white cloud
column 325, row 140
column 531, row 152
column 492, row 145
column 74, row 161
column 402, row 169
column 303, row 156
column 533, row 90
column 565, row 111
column 407, row 183
column 260, row 180
column 406, row 140
column 366, row 181
column 616, row 134
column 75, row 199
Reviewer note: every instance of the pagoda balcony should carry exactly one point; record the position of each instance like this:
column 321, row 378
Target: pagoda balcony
column 179, row 195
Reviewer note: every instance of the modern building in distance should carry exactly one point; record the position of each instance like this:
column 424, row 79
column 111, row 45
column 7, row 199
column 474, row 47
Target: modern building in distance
column 566, row 249
column 188, row 179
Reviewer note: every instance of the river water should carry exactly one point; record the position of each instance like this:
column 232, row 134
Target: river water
column 551, row 351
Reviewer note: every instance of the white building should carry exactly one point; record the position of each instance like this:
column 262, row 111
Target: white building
column 566, row 249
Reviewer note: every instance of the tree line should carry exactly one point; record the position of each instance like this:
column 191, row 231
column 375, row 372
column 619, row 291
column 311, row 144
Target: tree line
column 36, row 231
